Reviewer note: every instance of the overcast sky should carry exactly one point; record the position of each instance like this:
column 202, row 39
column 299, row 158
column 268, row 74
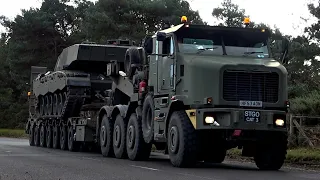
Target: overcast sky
column 285, row 14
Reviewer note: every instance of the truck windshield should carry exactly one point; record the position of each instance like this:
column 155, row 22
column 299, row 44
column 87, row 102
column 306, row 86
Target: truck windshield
column 236, row 43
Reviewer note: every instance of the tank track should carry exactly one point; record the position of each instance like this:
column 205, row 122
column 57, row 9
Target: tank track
column 63, row 104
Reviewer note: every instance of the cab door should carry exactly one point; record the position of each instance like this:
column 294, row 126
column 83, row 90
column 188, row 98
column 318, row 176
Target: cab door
column 166, row 66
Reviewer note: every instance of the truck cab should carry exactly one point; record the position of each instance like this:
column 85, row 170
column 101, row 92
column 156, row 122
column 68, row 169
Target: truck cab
column 228, row 84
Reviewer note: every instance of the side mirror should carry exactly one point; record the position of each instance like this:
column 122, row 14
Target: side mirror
column 148, row 45
column 284, row 50
column 161, row 36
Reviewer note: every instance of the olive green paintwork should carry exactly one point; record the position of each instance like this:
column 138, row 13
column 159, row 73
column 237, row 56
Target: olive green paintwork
column 203, row 78
column 233, row 118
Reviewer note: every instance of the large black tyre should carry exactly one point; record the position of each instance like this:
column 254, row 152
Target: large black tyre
column 271, row 154
column 182, row 144
column 49, row 136
column 31, row 136
column 119, row 137
column 106, row 132
column 137, row 149
column 147, row 119
column 43, row 136
column 56, row 137
column 63, row 137
column 72, row 144
column 36, row 136
column 132, row 61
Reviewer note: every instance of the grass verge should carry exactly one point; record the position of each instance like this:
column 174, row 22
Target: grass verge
column 298, row 156
column 13, row 133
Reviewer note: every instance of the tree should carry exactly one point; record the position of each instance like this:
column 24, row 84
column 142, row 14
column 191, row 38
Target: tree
column 36, row 37
column 303, row 68
column 134, row 18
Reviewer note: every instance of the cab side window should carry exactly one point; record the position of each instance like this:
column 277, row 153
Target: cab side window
column 167, row 47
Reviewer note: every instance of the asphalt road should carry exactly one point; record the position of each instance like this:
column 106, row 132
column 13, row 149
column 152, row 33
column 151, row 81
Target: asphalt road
column 20, row 161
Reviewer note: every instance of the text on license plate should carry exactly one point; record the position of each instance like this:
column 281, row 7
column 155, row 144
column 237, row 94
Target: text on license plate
column 252, row 116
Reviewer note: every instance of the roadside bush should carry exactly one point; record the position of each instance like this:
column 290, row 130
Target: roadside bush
column 307, row 104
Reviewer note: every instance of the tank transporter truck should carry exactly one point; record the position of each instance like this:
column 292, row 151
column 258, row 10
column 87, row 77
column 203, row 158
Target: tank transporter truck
column 193, row 91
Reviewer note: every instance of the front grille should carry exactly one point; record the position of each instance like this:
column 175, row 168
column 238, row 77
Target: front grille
column 253, row 86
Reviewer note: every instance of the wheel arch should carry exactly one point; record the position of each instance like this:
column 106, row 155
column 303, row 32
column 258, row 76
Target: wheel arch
column 131, row 109
column 105, row 110
column 174, row 106
column 119, row 109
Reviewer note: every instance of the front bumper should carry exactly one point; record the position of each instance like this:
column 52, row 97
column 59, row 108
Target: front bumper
column 242, row 119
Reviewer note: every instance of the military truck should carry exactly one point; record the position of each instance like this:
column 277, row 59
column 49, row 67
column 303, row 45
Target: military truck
column 193, row 91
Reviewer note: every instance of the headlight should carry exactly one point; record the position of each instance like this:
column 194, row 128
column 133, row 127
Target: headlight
column 279, row 122
column 209, row 119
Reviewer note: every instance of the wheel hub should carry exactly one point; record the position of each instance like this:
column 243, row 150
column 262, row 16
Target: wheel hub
column 131, row 136
column 62, row 137
column 41, row 135
column 70, row 136
column 117, row 136
column 174, row 139
column 103, row 136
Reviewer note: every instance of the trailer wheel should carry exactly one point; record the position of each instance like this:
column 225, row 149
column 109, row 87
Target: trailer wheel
column 43, row 136
column 106, row 131
column 49, row 136
column 136, row 147
column 63, row 137
column 56, row 137
column 147, row 119
column 31, row 136
column 181, row 140
column 132, row 60
column 36, row 136
column 119, row 137
column 72, row 144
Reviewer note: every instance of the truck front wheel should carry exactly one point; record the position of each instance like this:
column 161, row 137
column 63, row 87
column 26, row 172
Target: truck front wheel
column 270, row 154
column 147, row 119
column 181, row 141
column 136, row 147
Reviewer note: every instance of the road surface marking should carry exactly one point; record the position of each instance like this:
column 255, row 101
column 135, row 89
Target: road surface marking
column 152, row 169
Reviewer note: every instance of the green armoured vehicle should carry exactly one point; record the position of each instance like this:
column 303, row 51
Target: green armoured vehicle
column 193, row 91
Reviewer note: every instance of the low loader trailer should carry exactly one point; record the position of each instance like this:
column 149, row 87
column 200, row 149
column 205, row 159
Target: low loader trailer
column 193, row 91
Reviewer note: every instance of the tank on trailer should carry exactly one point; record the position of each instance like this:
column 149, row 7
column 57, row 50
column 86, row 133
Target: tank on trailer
column 78, row 76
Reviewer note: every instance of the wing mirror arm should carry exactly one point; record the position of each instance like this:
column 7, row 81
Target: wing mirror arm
column 285, row 50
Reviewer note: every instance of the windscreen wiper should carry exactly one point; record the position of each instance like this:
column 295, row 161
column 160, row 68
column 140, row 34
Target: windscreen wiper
column 204, row 49
column 251, row 52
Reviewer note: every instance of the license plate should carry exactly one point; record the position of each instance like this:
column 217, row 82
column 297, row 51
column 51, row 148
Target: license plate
column 250, row 103
column 252, row 116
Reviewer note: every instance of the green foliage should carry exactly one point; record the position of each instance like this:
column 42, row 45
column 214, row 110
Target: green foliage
column 13, row 133
column 306, row 103
column 294, row 156
column 133, row 18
